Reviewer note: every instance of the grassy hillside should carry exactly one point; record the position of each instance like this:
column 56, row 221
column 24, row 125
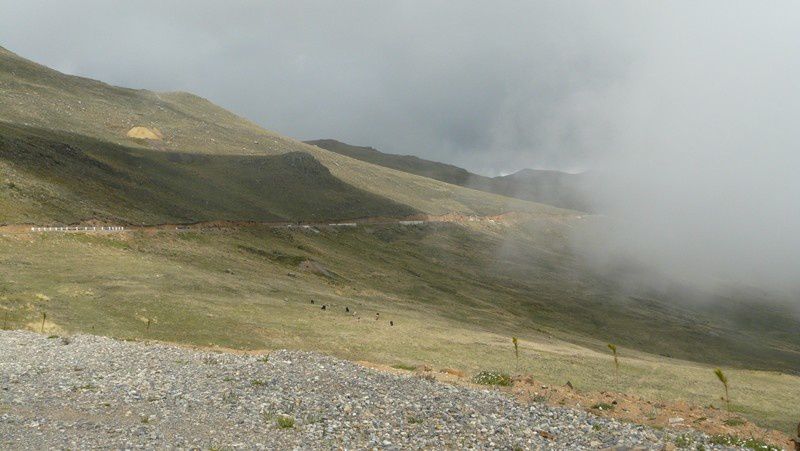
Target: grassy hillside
column 455, row 294
column 37, row 97
column 48, row 177
column 555, row 188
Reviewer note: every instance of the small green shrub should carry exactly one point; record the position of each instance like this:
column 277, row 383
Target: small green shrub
column 493, row 378
column 724, row 379
column 603, row 406
column 257, row 383
column 415, row 420
column 613, row 349
column 734, row 422
column 516, row 351
column 284, row 421
column 683, row 441
column 403, row 366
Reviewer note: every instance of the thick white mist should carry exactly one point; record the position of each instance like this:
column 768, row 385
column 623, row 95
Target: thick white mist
column 701, row 167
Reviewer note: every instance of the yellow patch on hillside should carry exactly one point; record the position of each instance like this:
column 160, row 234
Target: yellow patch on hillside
column 145, row 133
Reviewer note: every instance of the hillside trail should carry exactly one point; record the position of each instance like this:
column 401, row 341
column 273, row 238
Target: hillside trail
column 98, row 226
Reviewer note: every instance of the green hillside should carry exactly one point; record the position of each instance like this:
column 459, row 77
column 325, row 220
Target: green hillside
column 50, row 177
column 37, row 97
column 455, row 294
column 555, row 188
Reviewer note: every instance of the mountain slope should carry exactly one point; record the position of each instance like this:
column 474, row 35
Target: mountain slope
column 37, row 97
column 555, row 188
column 50, row 177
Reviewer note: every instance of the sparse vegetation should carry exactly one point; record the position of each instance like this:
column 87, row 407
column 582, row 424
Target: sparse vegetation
column 734, row 422
column 403, row 366
column 415, row 420
column 751, row 443
column 516, row 352
column 493, row 378
column 724, row 379
column 613, row 349
column 603, row 406
column 683, row 441
column 284, row 421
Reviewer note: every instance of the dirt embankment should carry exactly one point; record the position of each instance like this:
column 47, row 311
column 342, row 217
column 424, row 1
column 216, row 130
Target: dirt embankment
column 675, row 415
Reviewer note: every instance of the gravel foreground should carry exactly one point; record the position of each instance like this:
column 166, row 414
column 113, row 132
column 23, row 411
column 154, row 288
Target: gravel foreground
column 95, row 392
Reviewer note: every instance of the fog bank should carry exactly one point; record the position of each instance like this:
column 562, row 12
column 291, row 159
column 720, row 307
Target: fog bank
column 701, row 164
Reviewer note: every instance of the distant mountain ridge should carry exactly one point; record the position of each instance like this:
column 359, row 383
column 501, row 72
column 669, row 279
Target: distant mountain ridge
column 559, row 189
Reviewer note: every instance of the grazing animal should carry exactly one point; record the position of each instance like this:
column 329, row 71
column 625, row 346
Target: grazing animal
column 312, row 301
column 377, row 316
column 347, row 309
column 323, row 307
column 391, row 323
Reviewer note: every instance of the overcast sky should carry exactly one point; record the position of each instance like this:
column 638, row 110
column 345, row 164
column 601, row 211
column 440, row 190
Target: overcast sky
column 493, row 87
column 691, row 109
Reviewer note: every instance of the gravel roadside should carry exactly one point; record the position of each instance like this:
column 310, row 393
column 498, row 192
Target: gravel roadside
column 94, row 392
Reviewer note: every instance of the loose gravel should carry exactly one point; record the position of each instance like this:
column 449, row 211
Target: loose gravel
column 88, row 392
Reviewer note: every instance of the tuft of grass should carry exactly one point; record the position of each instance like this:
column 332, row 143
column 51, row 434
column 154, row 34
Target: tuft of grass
column 84, row 387
column 751, row 443
column 683, row 441
column 613, row 349
column 493, row 378
column 734, row 422
column 257, row 383
column 724, row 379
column 415, row 420
column 603, row 406
column 516, row 351
column 403, row 366
column 284, row 421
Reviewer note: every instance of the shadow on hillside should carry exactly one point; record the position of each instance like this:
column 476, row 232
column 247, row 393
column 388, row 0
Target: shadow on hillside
column 140, row 185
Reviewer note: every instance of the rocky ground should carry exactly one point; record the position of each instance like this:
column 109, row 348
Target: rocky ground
column 93, row 392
